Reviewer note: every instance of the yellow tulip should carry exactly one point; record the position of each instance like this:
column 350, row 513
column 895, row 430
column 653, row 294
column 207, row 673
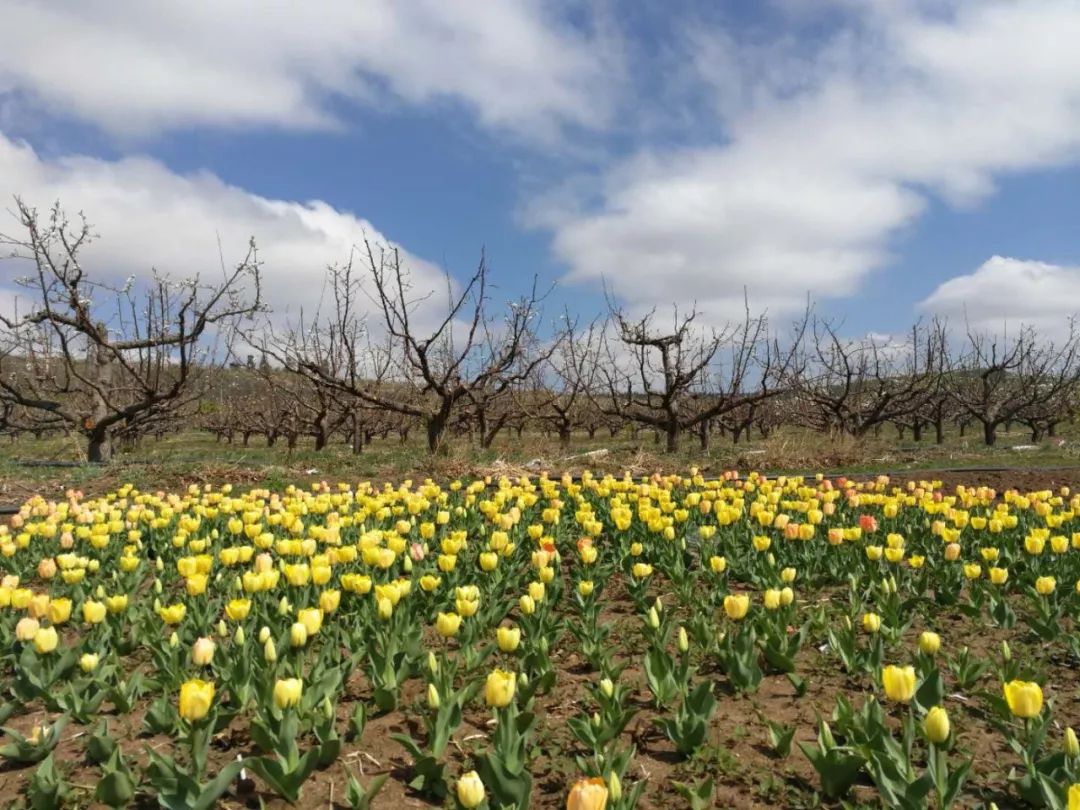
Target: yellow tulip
column 238, row 609
column 93, row 612
column 297, row 634
column 27, row 628
column 717, row 564
column 871, row 622
column 1074, row 797
column 936, row 725
column 447, row 624
column 202, row 652
column 45, row 640
column 196, row 697
column 899, row 683
column 1045, row 585
column 736, row 606
column 329, row 601
column 59, row 611
column 287, row 692
column 771, row 598
column 470, row 790
column 929, row 642
column 588, row 794
column 499, row 688
column 173, row 614
column 88, row 662
column 508, row 638
column 1025, row 698
column 311, row 618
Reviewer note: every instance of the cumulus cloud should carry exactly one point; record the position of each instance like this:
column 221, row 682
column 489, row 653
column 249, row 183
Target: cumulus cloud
column 148, row 217
column 1005, row 293
column 826, row 158
column 134, row 68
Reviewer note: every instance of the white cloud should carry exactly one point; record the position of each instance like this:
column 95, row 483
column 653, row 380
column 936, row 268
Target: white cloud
column 134, row 68
column 829, row 155
column 1005, row 293
column 150, row 217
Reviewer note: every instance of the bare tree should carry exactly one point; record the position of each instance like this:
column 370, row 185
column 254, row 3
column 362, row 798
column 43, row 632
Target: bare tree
column 98, row 359
column 674, row 380
column 426, row 374
column 558, row 395
column 997, row 379
column 855, row 386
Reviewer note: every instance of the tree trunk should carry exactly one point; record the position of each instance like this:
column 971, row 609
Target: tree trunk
column 703, row 435
column 916, row 431
column 435, row 425
column 672, row 434
column 99, row 446
column 939, row 431
column 356, row 437
column 564, row 434
column 990, row 433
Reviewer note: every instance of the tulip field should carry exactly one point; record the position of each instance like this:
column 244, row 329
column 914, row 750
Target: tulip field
column 518, row 642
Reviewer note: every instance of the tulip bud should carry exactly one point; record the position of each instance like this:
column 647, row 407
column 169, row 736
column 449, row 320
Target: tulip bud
column 596, row 720
column 222, row 629
column 1072, row 745
column 327, row 708
column 432, row 696
column 89, row 662
column 614, row 787
column 239, row 637
column 544, row 645
column 159, row 564
column 659, row 605
column 432, row 663
column 607, row 687
column 269, row 651
column 1006, row 653
column 174, row 640
column 827, row 736
column 284, row 608
column 264, row 634
column 99, row 592
column 684, row 642
column 407, row 564
column 653, row 618
column 936, row 725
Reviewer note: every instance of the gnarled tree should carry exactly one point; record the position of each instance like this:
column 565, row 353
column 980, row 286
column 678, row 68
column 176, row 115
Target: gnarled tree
column 432, row 374
column 104, row 360
column 674, row 380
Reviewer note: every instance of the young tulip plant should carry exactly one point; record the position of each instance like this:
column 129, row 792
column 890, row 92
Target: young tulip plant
column 442, row 718
column 1047, row 775
column 504, row 766
column 180, row 785
column 738, row 651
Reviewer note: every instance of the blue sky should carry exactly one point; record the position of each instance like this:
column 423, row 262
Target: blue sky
column 890, row 159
